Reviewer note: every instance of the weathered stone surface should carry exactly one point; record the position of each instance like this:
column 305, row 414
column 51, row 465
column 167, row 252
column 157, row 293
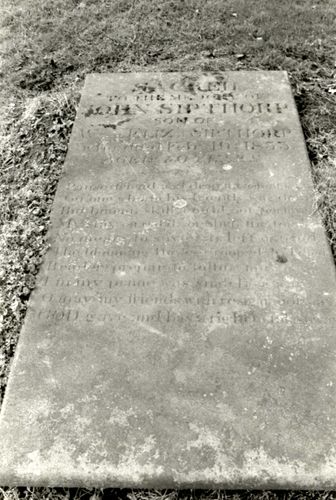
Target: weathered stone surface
column 182, row 332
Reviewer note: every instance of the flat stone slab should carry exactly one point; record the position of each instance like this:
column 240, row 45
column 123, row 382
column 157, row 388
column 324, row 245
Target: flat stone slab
column 182, row 333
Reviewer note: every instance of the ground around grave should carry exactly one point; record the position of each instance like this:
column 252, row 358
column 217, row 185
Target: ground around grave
column 46, row 48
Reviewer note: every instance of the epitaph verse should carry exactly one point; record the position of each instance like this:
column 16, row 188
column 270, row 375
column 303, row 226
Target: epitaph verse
column 182, row 330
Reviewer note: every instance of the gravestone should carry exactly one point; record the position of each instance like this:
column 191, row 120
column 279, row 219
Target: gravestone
column 182, row 331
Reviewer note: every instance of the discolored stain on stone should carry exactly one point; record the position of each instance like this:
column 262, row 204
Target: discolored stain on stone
column 182, row 330
column 281, row 258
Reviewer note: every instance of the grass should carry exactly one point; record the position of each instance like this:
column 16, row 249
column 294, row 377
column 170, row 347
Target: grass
column 96, row 494
column 32, row 154
column 46, row 50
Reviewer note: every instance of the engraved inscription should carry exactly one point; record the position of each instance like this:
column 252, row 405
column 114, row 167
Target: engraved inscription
column 177, row 207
